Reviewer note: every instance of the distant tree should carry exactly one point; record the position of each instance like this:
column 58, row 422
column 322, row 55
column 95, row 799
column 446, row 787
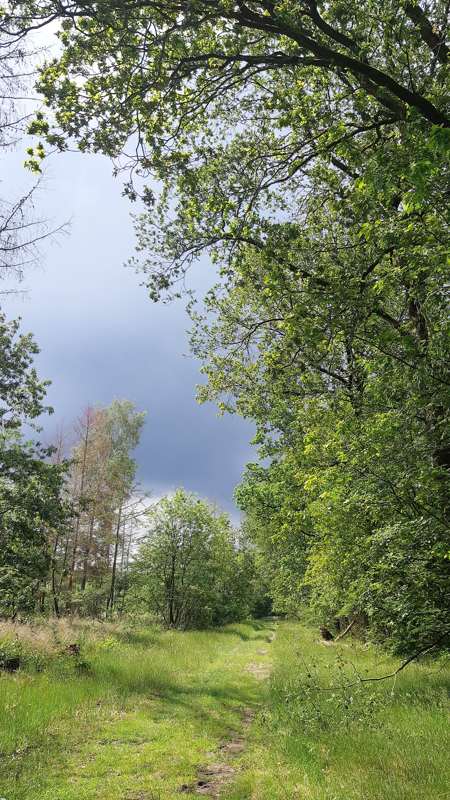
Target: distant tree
column 124, row 426
column 187, row 570
column 100, row 486
column 86, row 426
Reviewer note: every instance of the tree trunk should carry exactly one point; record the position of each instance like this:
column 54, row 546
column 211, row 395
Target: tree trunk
column 112, row 590
column 53, row 576
column 87, row 553
column 80, row 495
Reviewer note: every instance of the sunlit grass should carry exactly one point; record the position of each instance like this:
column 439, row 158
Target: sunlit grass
column 133, row 717
column 140, row 710
column 374, row 741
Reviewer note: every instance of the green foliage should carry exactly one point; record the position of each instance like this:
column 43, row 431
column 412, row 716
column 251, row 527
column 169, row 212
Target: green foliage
column 344, row 520
column 323, row 205
column 22, row 392
column 319, row 95
column 188, row 571
column 31, row 501
column 32, row 505
column 9, row 649
column 123, row 429
column 90, row 601
column 323, row 734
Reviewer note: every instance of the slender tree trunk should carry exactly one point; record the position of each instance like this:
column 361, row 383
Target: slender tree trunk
column 64, row 562
column 125, row 564
column 80, row 495
column 87, row 553
column 112, row 590
column 53, row 576
column 54, row 592
column 122, row 552
column 172, row 612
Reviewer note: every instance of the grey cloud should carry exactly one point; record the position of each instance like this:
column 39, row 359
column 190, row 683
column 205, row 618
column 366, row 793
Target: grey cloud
column 101, row 337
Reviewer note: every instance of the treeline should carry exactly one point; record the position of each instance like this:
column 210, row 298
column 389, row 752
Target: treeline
column 67, row 512
column 78, row 537
column 90, row 557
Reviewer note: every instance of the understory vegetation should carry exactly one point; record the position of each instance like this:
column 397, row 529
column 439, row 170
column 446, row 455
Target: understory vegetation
column 326, row 735
column 140, row 713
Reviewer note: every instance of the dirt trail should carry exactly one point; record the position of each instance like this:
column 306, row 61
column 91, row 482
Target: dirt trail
column 260, row 671
column 213, row 777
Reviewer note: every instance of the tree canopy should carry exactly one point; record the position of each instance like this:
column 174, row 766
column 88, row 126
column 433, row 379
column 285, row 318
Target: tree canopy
column 303, row 146
column 188, row 570
column 31, row 500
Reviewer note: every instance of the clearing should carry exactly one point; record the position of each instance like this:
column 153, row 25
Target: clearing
column 233, row 713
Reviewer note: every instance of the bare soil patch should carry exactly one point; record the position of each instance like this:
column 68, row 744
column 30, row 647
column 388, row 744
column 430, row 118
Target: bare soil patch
column 212, row 778
column 260, row 671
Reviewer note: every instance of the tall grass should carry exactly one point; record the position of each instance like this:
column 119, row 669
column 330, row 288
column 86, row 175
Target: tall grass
column 67, row 726
column 134, row 715
column 324, row 735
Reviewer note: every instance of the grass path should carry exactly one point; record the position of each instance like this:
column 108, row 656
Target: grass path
column 167, row 716
column 148, row 716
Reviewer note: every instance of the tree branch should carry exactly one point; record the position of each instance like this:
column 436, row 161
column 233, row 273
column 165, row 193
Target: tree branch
column 427, row 32
column 404, row 664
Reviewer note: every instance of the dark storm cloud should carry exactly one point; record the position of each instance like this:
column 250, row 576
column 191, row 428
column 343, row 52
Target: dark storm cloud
column 101, row 338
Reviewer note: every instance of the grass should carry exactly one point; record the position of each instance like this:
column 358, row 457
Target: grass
column 135, row 722
column 373, row 741
column 138, row 713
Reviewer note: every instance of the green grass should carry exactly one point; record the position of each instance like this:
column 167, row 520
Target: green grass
column 149, row 708
column 373, row 741
column 136, row 724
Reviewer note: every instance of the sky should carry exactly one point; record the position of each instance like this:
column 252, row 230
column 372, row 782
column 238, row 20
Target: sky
column 102, row 338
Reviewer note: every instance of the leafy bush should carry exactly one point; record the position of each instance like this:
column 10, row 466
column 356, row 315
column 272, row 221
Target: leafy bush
column 189, row 571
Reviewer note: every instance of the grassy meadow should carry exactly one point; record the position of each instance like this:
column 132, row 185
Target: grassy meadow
column 143, row 714
column 315, row 740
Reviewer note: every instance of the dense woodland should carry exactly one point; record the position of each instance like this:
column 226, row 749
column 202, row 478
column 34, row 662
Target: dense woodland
column 303, row 147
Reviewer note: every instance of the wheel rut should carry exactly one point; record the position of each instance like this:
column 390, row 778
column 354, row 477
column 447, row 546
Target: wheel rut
column 212, row 778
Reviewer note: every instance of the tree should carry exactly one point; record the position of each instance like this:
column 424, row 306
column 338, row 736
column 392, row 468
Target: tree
column 324, row 206
column 100, row 485
column 21, row 231
column 32, row 507
column 31, row 488
column 187, row 570
column 345, row 524
column 124, row 425
column 338, row 95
